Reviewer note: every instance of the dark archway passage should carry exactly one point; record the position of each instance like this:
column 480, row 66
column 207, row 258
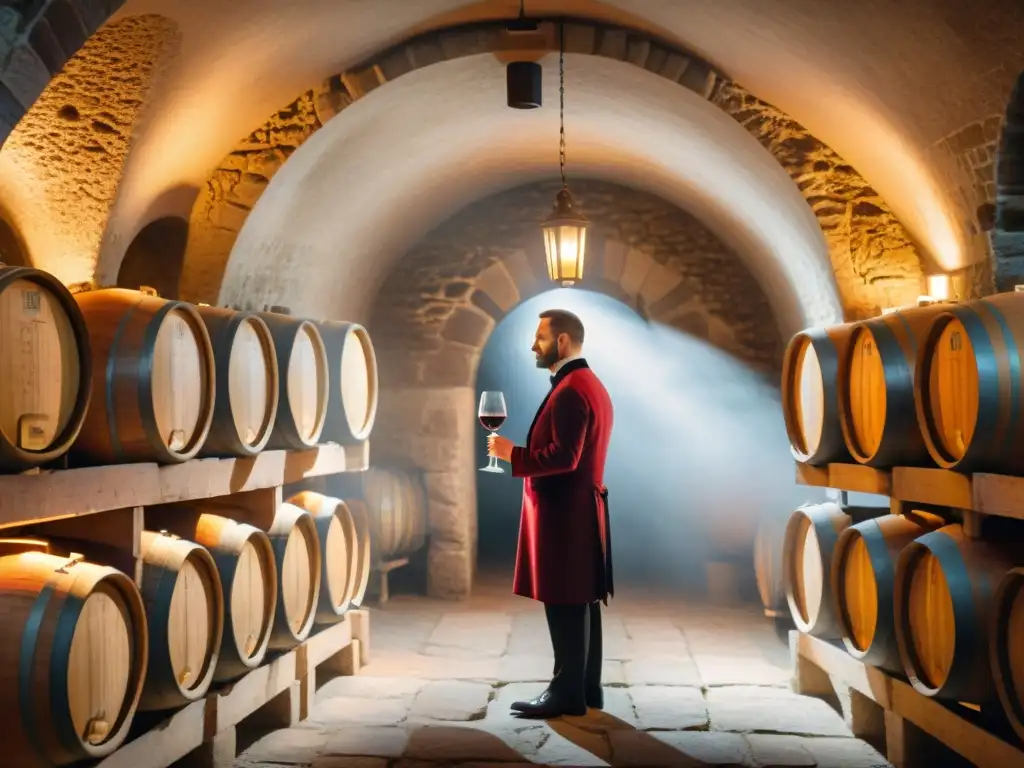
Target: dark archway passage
column 155, row 257
column 1008, row 234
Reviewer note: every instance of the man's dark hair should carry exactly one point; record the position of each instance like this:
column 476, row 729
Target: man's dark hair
column 563, row 321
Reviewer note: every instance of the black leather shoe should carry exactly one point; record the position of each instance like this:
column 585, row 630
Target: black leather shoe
column 595, row 699
column 548, row 706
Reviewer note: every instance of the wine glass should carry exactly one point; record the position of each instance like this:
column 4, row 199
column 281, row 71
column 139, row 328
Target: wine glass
column 492, row 415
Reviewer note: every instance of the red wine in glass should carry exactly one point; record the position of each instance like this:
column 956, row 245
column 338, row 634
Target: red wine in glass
column 492, row 415
column 493, row 423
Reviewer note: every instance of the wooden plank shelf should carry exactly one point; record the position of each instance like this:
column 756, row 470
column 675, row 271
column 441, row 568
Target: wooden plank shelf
column 40, row 496
column 910, row 729
column 277, row 694
column 985, row 494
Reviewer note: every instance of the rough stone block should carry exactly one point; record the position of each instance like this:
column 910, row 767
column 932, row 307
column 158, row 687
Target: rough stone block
column 450, row 366
column 26, row 74
column 67, row 25
column 290, row 745
column 483, row 634
column 94, row 13
column 47, row 47
column 669, row 707
column 800, row 715
column 345, row 710
column 849, row 753
column 449, row 569
column 658, row 283
column 467, row 326
column 452, row 700
column 662, row 670
column 456, row 745
column 769, row 749
column 497, row 282
column 614, row 259
column 612, row 43
column 385, row 741
column 709, row 748
column 376, row 687
column 11, row 110
column 639, row 748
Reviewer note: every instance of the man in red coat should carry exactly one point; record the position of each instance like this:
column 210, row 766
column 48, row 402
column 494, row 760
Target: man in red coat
column 564, row 557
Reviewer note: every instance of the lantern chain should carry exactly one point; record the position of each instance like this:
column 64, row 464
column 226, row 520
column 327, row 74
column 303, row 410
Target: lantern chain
column 561, row 102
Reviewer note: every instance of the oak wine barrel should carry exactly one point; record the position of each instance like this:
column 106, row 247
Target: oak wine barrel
column 185, row 612
column 247, row 382
column 813, row 364
column 153, row 379
column 45, row 367
column 807, row 552
column 364, row 549
column 876, row 394
column 352, row 401
column 73, row 666
column 297, row 556
column 1006, row 647
column 863, row 578
column 768, row 544
column 304, row 382
column 339, row 552
column 397, row 503
column 248, row 577
column 944, row 595
column 970, row 391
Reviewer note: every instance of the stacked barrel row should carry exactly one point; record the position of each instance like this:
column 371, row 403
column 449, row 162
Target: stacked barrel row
column 84, row 649
column 120, row 376
column 910, row 594
column 937, row 385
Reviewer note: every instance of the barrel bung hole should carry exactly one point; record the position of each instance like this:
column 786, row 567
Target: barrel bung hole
column 930, row 620
column 953, row 390
column 809, row 576
column 859, row 597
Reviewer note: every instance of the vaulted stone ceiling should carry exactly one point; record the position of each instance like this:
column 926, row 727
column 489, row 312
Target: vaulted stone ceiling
column 909, row 94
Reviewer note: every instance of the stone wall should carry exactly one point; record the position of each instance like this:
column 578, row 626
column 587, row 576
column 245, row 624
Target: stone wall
column 436, row 310
column 1008, row 235
column 37, row 37
column 875, row 262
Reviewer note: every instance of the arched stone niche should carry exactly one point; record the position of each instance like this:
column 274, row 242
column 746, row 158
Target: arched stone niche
column 436, row 310
column 155, row 257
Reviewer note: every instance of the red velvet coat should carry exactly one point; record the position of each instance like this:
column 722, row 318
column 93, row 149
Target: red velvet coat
column 564, row 534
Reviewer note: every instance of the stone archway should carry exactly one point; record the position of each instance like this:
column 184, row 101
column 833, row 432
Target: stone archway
column 874, row 259
column 1008, row 233
column 437, row 309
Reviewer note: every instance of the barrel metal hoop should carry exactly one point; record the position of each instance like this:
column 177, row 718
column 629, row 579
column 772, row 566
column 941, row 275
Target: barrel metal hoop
column 279, row 542
column 159, row 620
column 988, row 385
column 899, row 418
column 831, row 447
column 1005, row 597
column 26, row 664
column 60, row 663
column 111, row 383
column 1013, row 363
column 227, row 564
column 885, row 573
column 965, row 618
column 147, row 413
column 222, row 405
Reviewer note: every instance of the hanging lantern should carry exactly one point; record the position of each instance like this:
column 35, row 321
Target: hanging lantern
column 565, row 241
column 565, row 229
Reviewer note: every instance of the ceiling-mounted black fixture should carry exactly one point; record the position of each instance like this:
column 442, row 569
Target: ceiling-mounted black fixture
column 523, row 79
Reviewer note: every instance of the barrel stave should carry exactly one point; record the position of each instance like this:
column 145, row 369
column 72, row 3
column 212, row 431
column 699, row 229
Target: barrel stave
column 303, row 376
column 352, row 401
column 1006, row 647
column 167, row 561
column 46, row 722
column 876, row 394
column 297, row 556
column 943, row 598
column 227, row 328
column 126, row 420
column 74, row 374
column 815, row 438
column 863, row 579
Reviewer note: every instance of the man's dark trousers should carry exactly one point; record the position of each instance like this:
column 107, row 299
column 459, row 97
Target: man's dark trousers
column 577, row 641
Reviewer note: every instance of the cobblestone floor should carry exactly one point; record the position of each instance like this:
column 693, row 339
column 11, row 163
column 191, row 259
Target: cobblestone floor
column 686, row 685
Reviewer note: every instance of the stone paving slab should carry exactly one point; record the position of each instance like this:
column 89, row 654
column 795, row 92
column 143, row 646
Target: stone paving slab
column 669, row 707
column 452, row 700
column 754, row 710
column 662, row 670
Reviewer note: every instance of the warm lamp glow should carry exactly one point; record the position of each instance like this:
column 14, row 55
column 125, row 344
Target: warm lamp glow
column 939, row 287
column 565, row 241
